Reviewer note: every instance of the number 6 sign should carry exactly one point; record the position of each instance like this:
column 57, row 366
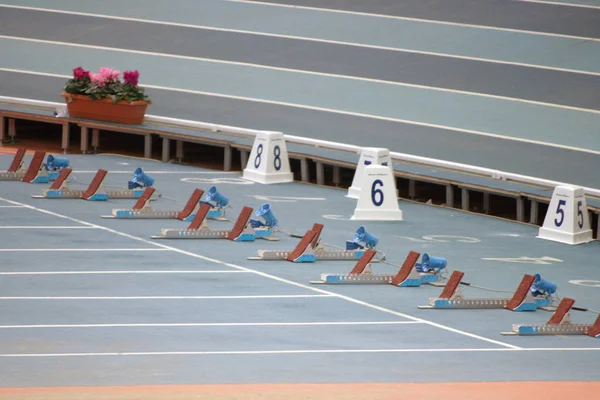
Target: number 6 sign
column 268, row 161
column 567, row 219
column 378, row 200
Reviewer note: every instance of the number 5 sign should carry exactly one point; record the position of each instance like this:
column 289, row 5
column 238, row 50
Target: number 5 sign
column 567, row 219
column 378, row 200
column 268, row 161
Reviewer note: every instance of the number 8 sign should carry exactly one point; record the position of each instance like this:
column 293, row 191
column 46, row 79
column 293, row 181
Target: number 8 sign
column 268, row 161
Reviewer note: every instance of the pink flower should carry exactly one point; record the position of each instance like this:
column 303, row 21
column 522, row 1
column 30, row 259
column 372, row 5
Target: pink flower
column 109, row 74
column 97, row 79
column 79, row 73
column 131, row 77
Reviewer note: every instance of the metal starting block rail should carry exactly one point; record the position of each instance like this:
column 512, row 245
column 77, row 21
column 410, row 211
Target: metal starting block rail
column 558, row 324
column 242, row 231
column 34, row 173
column 142, row 209
column 362, row 273
column 310, row 249
column 522, row 299
column 94, row 192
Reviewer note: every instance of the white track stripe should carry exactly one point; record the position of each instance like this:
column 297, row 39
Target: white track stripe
column 304, row 72
column 15, row 206
column 311, row 39
column 44, row 227
column 66, row 250
column 558, row 3
column 211, row 324
column 286, row 352
column 273, row 277
column 274, row 296
column 107, row 272
column 341, row 112
column 430, row 21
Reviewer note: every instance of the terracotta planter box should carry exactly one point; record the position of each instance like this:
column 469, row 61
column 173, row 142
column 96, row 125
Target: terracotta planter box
column 81, row 106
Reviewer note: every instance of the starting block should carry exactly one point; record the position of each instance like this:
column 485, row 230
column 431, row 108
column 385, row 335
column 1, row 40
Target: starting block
column 310, row 249
column 362, row 273
column 142, row 209
column 199, row 229
column 17, row 168
column 34, row 173
column 558, row 324
column 522, row 300
column 264, row 230
column 94, row 192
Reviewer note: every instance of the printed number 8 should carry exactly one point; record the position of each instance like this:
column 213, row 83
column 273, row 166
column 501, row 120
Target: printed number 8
column 375, row 192
column 259, row 152
column 277, row 160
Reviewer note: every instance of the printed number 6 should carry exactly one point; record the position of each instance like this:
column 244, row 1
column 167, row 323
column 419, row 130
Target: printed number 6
column 560, row 211
column 375, row 192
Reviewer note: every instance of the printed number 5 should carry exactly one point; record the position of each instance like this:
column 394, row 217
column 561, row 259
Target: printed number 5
column 560, row 211
column 375, row 192
column 579, row 215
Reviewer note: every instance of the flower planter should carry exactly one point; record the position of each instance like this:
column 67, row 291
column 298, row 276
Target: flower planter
column 122, row 112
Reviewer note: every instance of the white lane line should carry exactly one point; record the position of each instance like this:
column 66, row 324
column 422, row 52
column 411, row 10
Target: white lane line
column 44, row 227
column 211, row 324
column 66, row 250
column 431, row 21
column 246, row 297
column 341, row 112
column 287, row 352
column 166, row 172
column 304, row 72
column 183, row 272
column 273, row 277
column 558, row 3
column 15, row 206
column 308, row 39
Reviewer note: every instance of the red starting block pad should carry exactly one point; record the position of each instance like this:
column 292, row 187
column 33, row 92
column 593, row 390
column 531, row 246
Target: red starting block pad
column 142, row 209
column 522, row 299
column 310, row 249
column 199, row 229
column 558, row 324
column 34, row 173
column 17, row 168
column 362, row 273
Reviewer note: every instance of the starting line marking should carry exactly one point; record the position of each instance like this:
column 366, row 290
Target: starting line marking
column 272, row 277
column 274, row 296
column 44, row 227
column 57, row 250
column 12, row 207
column 224, row 271
column 284, row 352
column 211, row 324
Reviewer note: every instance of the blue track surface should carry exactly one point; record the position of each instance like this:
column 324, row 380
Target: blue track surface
column 165, row 312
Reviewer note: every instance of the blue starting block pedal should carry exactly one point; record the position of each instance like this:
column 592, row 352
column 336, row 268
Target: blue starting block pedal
column 558, row 324
column 218, row 205
column 311, row 249
column 199, row 229
column 54, row 166
column 142, row 209
column 523, row 299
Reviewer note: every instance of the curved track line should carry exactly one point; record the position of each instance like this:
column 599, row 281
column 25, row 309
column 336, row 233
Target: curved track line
column 311, row 39
column 334, row 111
